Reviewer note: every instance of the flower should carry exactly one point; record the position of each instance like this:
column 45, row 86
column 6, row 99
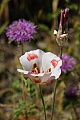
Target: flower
column 20, row 30
column 72, row 92
column 40, row 67
column 68, row 63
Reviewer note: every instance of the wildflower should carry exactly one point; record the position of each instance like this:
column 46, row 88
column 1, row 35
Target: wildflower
column 40, row 67
column 68, row 63
column 20, row 30
column 72, row 92
column 62, row 34
column 72, row 98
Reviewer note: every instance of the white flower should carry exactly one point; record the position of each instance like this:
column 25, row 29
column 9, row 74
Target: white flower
column 40, row 67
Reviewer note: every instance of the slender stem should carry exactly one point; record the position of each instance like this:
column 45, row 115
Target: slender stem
column 23, row 93
column 61, row 50
column 22, row 48
column 42, row 101
column 23, row 90
column 23, row 97
column 54, row 96
column 55, row 88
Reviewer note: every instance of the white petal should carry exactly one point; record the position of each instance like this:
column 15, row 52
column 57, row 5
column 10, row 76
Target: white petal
column 45, row 77
column 56, row 73
column 63, row 35
column 22, row 71
column 39, row 74
column 55, row 32
column 28, row 64
column 46, row 60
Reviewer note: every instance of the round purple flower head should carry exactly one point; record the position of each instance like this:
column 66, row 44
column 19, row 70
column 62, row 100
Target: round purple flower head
column 72, row 91
column 68, row 63
column 20, row 30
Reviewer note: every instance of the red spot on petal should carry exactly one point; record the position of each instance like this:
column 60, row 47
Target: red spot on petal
column 54, row 63
column 32, row 57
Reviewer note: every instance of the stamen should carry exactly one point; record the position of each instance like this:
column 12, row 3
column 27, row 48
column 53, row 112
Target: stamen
column 35, row 69
column 49, row 69
column 35, row 65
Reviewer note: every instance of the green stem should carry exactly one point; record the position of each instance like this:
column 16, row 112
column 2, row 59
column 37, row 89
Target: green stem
column 23, row 97
column 23, row 89
column 54, row 96
column 61, row 50
column 22, row 48
column 42, row 101
column 55, row 88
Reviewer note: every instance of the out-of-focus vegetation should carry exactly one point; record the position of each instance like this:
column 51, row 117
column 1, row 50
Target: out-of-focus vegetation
column 45, row 14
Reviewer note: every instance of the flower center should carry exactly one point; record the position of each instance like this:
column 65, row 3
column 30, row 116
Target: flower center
column 35, row 69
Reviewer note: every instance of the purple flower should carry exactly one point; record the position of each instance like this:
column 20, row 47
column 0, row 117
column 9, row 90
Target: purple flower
column 68, row 63
column 20, row 30
column 72, row 91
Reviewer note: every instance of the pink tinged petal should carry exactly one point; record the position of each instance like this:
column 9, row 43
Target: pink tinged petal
column 34, row 56
column 40, row 78
column 47, row 79
column 34, row 79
